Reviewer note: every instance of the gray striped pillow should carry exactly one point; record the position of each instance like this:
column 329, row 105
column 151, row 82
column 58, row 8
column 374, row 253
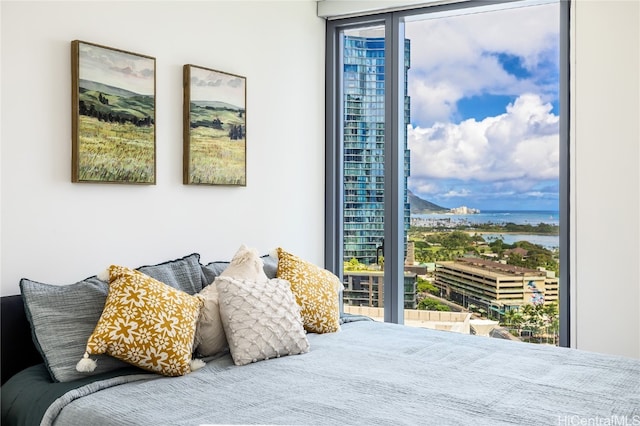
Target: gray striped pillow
column 62, row 318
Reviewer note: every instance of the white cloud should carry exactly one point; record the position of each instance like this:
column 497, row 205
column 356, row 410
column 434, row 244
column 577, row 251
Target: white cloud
column 424, row 187
column 519, row 146
column 117, row 68
column 455, row 57
column 216, row 86
column 457, row 193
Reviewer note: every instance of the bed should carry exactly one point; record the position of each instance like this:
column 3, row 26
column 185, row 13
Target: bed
column 368, row 372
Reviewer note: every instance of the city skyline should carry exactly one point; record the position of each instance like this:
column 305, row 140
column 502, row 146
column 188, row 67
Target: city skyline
column 484, row 91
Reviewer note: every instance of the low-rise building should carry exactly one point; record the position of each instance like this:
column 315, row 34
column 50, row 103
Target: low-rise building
column 366, row 288
column 495, row 286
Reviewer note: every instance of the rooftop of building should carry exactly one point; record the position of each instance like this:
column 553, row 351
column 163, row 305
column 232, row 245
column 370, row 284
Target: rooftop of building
column 492, row 267
column 367, row 273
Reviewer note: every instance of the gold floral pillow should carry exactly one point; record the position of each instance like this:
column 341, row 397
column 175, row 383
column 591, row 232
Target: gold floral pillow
column 145, row 323
column 316, row 291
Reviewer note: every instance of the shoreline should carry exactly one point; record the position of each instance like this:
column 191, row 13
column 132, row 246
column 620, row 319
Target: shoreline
column 488, row 225
column 471, row 232
column 508, row 233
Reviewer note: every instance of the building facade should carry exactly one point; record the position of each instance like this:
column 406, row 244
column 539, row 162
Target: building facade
column 366, row 288
column 494, row 286
column 364, row 142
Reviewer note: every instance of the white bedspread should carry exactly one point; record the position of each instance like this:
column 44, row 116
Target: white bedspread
column 382, row 374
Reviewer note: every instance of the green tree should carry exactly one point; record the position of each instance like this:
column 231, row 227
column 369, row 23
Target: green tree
column 354, row 265
column 427, row 304
column 533, row 320
column 456, row 240
column 551, row 320
column 513, row 319
column 424, row 286
column 217, row 123
column 516, row 260
column 477, row 238
column 497, row 246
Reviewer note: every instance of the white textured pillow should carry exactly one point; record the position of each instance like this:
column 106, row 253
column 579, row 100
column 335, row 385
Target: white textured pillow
column 261, row 320
column 210, row 338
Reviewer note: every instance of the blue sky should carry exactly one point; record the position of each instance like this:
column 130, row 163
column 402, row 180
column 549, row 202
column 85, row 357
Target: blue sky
column 484, row 109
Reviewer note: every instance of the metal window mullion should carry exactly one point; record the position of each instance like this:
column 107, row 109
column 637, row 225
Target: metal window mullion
column 394, row 172
column 333, row 254
column 564, row 303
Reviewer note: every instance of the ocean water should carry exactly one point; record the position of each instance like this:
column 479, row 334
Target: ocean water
column 499, row 217
column 549, row 242
column 519, row 217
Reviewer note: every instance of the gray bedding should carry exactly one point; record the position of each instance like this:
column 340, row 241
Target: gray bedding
column 373, row 373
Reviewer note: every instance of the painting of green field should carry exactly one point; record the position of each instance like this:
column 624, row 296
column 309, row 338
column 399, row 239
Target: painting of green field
column 215, row 158
column 115, row 152
column 215, row 127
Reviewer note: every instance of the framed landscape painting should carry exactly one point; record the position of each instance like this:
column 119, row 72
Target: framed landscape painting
column 215, row 127
column 113, row 115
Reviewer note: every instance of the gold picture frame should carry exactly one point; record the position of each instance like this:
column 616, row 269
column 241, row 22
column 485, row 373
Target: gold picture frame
column 214, row 126
column 113, row 95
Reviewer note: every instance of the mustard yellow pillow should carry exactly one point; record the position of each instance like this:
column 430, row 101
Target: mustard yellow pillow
column 145, row 323
column 316, row 291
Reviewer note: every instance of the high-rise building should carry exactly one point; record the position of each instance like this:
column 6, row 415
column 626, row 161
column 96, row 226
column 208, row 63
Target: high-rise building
column 364, row 141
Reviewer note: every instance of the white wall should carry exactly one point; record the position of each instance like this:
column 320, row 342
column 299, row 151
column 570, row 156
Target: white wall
column 606, row 184
column 58, row 232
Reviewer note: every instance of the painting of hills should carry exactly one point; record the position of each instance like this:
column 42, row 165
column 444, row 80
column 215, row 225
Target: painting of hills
column 114, row 115
column 214, row 127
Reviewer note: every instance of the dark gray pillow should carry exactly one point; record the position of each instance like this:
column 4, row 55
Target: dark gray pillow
column 184, row 274
column 214, row 269
column 62, row 319
column 270, row 266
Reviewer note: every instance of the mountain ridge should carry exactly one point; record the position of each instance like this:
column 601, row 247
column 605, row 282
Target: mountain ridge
column 421, row 206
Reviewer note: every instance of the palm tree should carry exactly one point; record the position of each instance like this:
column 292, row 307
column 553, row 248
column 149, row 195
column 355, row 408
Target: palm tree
column 513, row 319
column 551, row 319
column 532, row 319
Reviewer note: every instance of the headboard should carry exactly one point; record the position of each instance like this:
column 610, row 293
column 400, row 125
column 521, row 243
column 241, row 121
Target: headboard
column 16, row 343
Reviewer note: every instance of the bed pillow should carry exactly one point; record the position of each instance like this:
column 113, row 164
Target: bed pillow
column 146, row 323
column 261, row 319
column 184, row 274
column 210, row 337
column 316, row 291
column 213, row 269
column 270, row 265
column 62, row 318
column 246, row 265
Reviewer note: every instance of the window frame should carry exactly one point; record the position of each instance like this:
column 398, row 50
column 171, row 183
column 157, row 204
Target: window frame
column 393, row 23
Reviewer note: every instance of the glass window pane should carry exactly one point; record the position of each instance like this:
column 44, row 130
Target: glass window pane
column 484, row 171
column 363, row 62
column 478, row 200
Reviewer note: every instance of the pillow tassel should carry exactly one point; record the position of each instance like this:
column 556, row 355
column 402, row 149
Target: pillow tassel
column 274, row 253
column 105, row 275
column 196, row 364
column 86, row 364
